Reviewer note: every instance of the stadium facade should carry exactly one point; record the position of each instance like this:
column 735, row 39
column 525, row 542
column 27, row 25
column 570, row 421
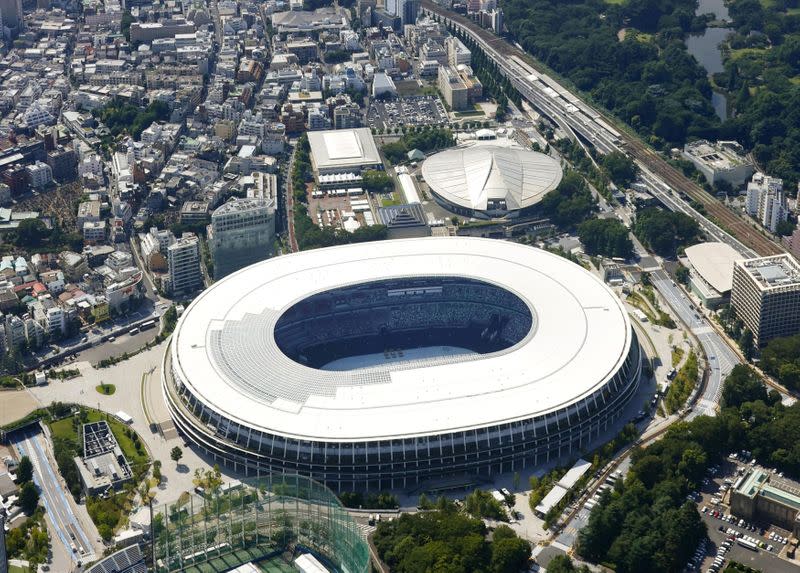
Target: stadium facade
column 383, row 365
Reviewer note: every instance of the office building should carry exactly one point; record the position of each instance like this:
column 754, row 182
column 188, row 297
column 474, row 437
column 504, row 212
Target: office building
column 719, row 161
column 12, row 18
column 497, row 21
column 766, row 296
column 760, row 496
column 452, row 88
column 457, row 53
column 183, row 262
column 242, row 232
column 766, row 201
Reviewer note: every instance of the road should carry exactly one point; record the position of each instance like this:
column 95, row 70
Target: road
column 721, row 359
column 65, row 526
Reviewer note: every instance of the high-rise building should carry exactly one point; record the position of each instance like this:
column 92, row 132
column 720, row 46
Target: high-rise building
column 406, row 10
column 497, row 21
column 12, row 17
column 183, row 261
column 766, row 201
column 242, row 232
column 766, row 296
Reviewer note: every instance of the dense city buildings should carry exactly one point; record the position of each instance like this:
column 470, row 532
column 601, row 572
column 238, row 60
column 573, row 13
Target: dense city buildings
column 766, row 296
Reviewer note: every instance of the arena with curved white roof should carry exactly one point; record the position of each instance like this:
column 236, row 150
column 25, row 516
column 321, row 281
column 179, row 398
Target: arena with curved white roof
column 490, row 181
column 382, row 365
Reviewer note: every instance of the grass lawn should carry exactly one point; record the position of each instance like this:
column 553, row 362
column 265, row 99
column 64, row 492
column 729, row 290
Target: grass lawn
column 16, row 569
column 63, row 428
column 615, row 1
column 677, row 354
column 390, row 201
column 469, row 113
column 106, row 389
column 751, row 53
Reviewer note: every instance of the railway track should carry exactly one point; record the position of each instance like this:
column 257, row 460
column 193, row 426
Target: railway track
column 729, row 221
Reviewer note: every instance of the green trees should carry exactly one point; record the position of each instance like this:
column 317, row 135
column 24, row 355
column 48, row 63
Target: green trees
column 648, row 80
column 376, row 181
column 607, row 237
column 682, row 386
column 781, row 359
column 620, row 168
column 123, row 117
column 25, row 470
column 382, row 500
column 481, row 504
column 428, row 140
column 28, row 497
column 682, row 275
column 570, row 203
column 645, row 524
column 31, row 233
column 176, row 454
column 664, row 231
column 510, row 554
column 65, row 450
column 449, row 541
column 310, row 236
column 742, row 385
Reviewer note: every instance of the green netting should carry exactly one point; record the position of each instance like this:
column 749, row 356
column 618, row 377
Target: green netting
column 221, row 530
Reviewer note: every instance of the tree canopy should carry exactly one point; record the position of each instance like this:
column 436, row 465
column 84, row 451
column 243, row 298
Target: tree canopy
column 446, row 540
column 781, row 359
column 570, row 203
column 665, row 232
column 607, row 237
column 620, row 168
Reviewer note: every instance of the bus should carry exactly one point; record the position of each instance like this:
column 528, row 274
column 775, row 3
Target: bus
column 148, row 324
column 747, row 543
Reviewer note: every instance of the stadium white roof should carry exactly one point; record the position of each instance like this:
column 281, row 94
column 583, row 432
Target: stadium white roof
column 714, row 263
column 472, row 176
column 343, row 149
column 580, row 339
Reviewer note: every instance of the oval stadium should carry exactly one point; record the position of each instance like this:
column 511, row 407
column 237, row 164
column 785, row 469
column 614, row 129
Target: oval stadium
column 387, row 364
column 490, row 181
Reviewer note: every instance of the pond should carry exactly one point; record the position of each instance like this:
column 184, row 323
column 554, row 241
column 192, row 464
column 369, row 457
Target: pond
column 705, row 48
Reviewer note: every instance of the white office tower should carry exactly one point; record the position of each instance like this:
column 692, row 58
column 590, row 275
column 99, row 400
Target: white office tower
column 766, row 201
column 242, row 232
column 183, row 259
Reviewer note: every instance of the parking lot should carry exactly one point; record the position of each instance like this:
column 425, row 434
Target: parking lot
column 731, row 538
column 412, row 110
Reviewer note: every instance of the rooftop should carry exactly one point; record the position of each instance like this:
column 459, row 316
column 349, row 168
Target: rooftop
column 774, row 272
column 478, row 177
column 714, row 263
column 225, row 342
column 760, row 482
column 343, row 148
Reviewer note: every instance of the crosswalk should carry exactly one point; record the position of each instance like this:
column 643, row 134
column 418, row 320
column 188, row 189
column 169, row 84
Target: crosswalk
column 366, row 530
